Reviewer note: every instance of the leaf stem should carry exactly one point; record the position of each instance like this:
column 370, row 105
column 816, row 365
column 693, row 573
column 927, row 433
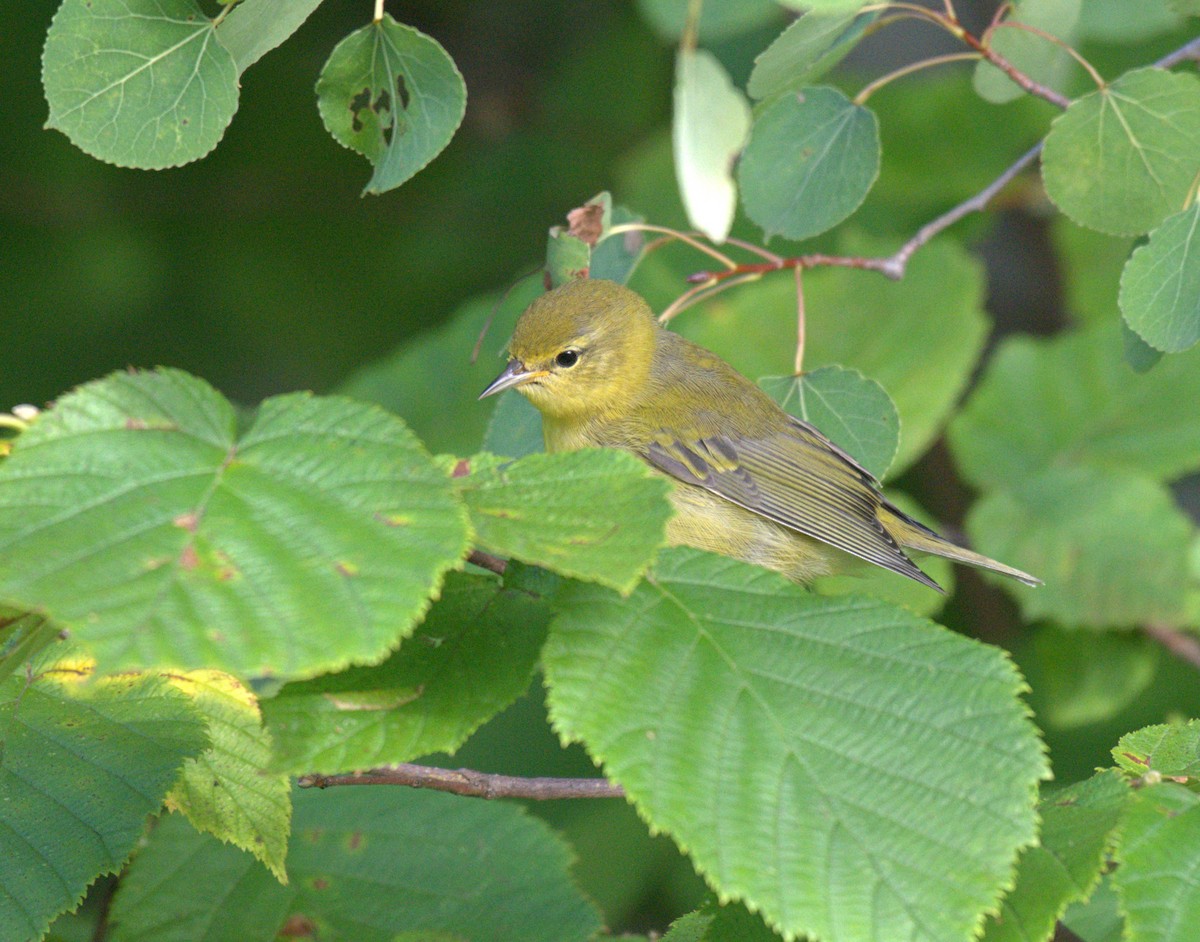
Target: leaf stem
column 378, row 11
column 799, row 320
column 689, row 238
column 912, row 67
column 488, row 561
column 470, row 783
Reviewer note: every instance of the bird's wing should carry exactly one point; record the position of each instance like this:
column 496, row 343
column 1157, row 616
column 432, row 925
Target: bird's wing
column 795, row 477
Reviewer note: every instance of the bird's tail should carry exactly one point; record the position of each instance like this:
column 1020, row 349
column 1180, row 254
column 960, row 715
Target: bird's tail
column 916, row 536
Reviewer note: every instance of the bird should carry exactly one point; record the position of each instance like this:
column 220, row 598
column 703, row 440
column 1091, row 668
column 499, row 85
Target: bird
column 751, row 481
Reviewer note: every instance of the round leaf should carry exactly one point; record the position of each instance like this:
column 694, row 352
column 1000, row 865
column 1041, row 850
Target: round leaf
column 811, row 159
column 1160, row 288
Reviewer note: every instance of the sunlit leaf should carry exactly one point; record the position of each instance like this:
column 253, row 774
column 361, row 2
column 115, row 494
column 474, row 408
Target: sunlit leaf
column 1170, row 749
column 1033, row 55
column 1160, row 288
column 255, row 27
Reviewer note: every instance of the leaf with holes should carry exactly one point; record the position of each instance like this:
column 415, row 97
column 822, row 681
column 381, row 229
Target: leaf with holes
column 83, row 765
column 138, row 83
column 135, row 514
column 1124, row 158
column 794, row 745
column 395, row 96
column 1160, row 287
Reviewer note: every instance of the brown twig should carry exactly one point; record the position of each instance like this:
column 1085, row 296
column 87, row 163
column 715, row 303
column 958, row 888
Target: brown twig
column 471, row 783
column 1028, row 84
column 488, row 561
column 1184, row 646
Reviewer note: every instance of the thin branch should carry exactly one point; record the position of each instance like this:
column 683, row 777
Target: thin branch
column 909, row 69
column 1062, row 44
column 799, row 320
column 488, row 561
column 1184, row 646
column 471, row 783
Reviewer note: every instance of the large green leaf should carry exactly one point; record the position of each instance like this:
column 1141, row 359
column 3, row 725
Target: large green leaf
column 255, row 27
column 810, row 161
column 794, row 745
column 472, row 656
column 1072, row 399
column 135, row 514
column 854, row 411
column 595, row 514
column 1160, row 288
column 1078, row 823
column 1122, row 159
column 394, row 95
column 80, row 768
column 806, row 50
column 1033, row 55
column 138, row 83
column 1112, row 547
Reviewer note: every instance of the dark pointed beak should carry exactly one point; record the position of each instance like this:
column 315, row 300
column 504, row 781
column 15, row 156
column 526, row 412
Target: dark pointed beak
column 514, row 375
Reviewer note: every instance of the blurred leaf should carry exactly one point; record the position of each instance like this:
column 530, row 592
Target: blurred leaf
column 810, row 161
column 1119, row 21
column 1188, row 7
column 853, row 411
column 1110, row 545
column 715, row 923
column 1123, row 158
column 1170, row 749
column 794, row 744
column 1160, row 289
column 596, row 514
column 1157, row 861
column 1033, row 55
column 393, row 95
column 82, row 767
column 824, row 5
column 255, row 27
column 806, row 50
column 135, row 515
column 183, row 886
column 1077, row 827
column 1140, row 356
column 1072, row 399
column 1091, row 264
column 710, row 125
column 1086, row 677
column 138, row 83
column 377, row 864
column 1099, row 919
column 515, row 429
column 717, row 20
column 226, row 790
column 567, row 257
column 472, row 656
column 615, row 256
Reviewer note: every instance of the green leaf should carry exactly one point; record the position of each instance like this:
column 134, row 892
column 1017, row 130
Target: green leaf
column 710, row 124
column 1072, row 399
column 596, row 514
column 255, row 27
column 1099, row 919
column 472, row 656
column 1033, row 55
column 82, row 767
column 393, row 95
column 805, row 51
column 1091, row 264
column 794, row 745
column 1111, row 546
column 1170, row 749
column 515, row 429
column 1123, row 158
column 138, row 83
column 1186, row 7
column 371, row 864
column 717, row 20
column 824, row 5
column 135, row 515
column 810, row 161
column 227, row 790
column 1158, row 859
column 714, row 923
column 854, row 411
column 1140, row 356
column 1077, row 827
column 615, row 256
column 1083, row 677
column 567, row 257
column 183, row 886
column 1160, row 288
column 1119, row 21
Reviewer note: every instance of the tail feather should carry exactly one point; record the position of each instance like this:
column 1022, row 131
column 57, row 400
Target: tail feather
column 916, row 536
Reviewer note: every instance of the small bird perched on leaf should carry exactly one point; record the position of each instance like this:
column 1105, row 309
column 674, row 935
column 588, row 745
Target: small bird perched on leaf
column 752, row 482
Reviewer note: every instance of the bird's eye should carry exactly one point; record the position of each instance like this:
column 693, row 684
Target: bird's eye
column 567, row 358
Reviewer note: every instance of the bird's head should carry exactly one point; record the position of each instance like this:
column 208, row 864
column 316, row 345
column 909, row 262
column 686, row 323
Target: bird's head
column 582, row 349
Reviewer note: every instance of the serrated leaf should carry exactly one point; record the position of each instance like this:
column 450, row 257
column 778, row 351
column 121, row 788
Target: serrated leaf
column 596, row 514
column 472, row 656
column 1111, row 546
column 852, row 410
column 1158, row 859
column 227, row 790
column 1077, row 827
column 82, row 767
column 1123, row 158
column 138, row 83
column 183, row 886
column 710, row 124
column 515, row 428
column 394, row 95
column 137, row 516
column 255, row 27
column 715, row 923
column 1160, row 287
column 1034, row 56
column 794, row 744
column 1170, row 749
column 1072, row 399
column 806, row 50
column 810, row 161
column 1085, row 677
